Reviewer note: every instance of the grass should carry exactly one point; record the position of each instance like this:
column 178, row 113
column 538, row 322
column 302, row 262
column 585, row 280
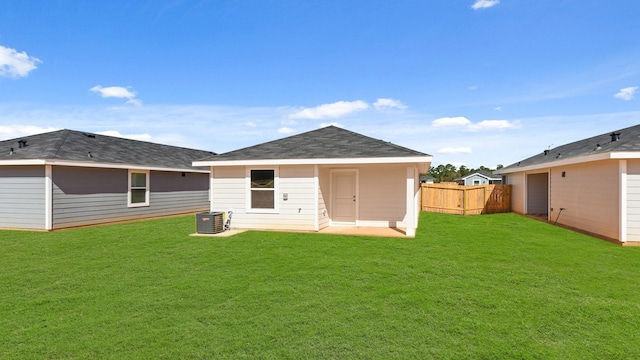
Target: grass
column 477, row 287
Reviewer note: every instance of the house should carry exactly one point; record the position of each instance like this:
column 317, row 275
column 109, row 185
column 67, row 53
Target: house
column 70, row 178
column 592, row 185
column 480, row 177
column 427, row 179
column 321, row 178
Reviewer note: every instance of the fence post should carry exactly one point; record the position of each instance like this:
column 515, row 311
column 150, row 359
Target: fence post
column 464, row 201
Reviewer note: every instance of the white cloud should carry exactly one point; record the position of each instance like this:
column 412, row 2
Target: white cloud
column 286, row 130
column 451, row 121
column 383, row 103
column 483, row 4
column 250, row 123
column 455, row 150
column 493, row 125
column 15, row 64
column 627, row 93
column 498, row 108
column 334, row 110
column 472, row 87
column 15, row 131
column 141, row 137
column 120, row 92
column 483, row 125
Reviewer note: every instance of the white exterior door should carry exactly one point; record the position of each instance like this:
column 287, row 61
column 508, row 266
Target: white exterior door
column 344, row 197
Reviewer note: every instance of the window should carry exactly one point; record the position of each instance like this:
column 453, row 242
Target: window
column 262, row 189
column 476, row 182
column 138, row 188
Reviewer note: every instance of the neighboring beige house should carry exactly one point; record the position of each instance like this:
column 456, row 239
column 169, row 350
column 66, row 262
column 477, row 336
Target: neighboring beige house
column 592, row 185
column 326, row 177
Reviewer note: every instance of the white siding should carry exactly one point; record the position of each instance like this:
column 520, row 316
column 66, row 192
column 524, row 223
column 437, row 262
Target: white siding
column 633, row 200
column 22, row 197
column 228, row 192
column 295, row 213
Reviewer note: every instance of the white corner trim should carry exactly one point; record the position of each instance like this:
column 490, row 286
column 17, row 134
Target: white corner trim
column 622, row 232
column 48, row 198
column 316, row 198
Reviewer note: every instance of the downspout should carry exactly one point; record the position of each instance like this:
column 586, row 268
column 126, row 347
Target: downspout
column 549, row 196
column 211, row 189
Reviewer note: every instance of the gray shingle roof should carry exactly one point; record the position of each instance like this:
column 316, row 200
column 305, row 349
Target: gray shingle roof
column 487, row 174
column 326, row 143
column 70, row 145
column 629, row 140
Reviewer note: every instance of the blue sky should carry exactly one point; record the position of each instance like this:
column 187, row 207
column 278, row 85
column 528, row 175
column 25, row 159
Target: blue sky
column 473, row 82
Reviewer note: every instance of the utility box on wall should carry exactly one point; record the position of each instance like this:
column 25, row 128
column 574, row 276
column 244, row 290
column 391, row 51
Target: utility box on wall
column 209, row 223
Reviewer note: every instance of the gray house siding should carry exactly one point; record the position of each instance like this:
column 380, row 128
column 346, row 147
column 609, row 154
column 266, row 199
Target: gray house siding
column 476, row 180
column 85, row 196
column 22, row 197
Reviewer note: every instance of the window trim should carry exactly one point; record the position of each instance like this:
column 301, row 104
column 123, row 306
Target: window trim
column 146, row 188
column 276, row 190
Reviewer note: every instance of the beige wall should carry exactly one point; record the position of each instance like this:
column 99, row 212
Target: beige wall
column 383, row 195
column 590, row 194
column 516, row 180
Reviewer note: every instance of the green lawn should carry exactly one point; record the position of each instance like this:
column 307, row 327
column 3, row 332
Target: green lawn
column 477, row 287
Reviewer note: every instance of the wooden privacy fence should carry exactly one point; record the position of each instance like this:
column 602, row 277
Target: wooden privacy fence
column 466, row 200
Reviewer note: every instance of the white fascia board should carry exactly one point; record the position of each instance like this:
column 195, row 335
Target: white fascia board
column 94, row 165
column 23, row 162
column 573, row 161
column 334, row 161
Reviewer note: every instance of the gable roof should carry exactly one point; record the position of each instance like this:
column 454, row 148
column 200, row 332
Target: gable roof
column 317, row 146
column 69, row 147
column 600, row 147
column 486, row 174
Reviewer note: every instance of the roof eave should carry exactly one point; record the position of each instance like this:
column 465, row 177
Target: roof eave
column 613, row 155
column 28, row 162
column 323, row 161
